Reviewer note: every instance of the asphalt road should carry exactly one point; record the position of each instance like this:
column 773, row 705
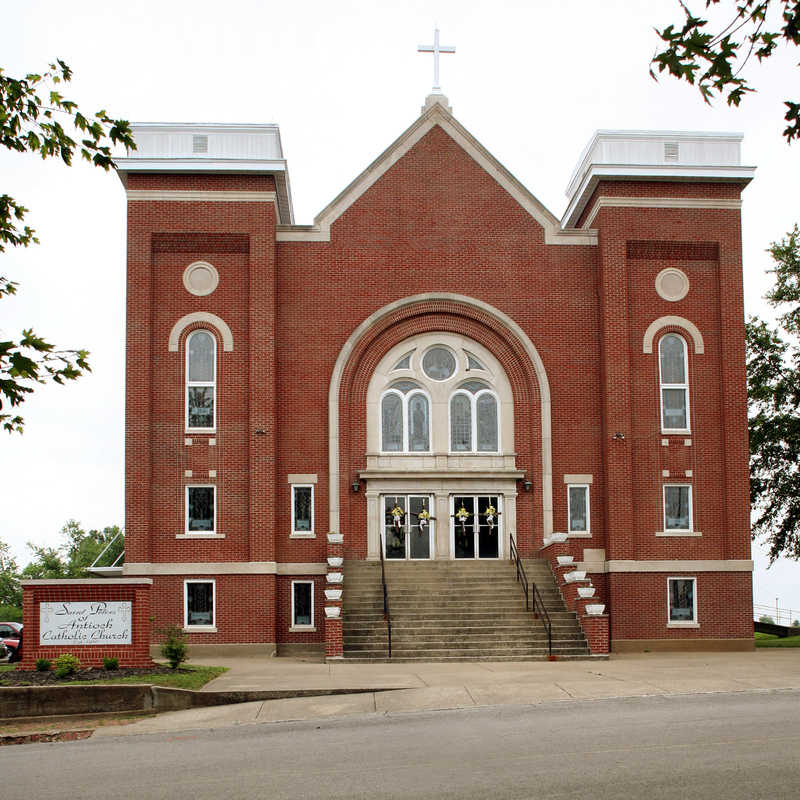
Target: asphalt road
column 740, row 745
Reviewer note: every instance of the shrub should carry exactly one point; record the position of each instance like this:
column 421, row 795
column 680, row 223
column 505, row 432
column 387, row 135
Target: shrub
column 43, row 665
column 111, row 664
column 174, row 646
column 66, row 664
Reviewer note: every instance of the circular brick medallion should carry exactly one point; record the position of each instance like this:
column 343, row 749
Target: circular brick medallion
column 200, row 278
column 672, row 284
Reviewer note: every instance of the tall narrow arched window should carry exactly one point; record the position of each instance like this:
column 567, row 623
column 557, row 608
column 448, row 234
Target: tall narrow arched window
column 405, row 419
column 674, row 376
column 460, row 423
column 474, row 419
column 201, row 381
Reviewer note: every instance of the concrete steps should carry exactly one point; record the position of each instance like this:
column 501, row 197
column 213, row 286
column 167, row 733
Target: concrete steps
column 449, row 611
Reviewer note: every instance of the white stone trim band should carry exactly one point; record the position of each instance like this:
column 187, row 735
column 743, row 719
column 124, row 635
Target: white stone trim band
column 168, row 195
column 221, row 568
column 674, row 566
column 658, row 202
column 85, row 581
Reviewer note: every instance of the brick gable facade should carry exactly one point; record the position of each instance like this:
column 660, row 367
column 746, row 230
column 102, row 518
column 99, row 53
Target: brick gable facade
column 434, row 238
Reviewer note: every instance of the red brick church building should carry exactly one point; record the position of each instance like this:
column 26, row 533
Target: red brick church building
column 440, row 372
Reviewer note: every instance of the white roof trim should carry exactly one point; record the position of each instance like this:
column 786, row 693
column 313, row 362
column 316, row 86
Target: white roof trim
column 436, row 115
column 649, row 172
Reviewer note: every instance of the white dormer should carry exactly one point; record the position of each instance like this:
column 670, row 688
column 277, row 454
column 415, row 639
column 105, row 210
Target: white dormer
column 654, row 156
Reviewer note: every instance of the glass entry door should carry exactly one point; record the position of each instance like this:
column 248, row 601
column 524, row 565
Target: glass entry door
column 407, row 526
column 475, row 525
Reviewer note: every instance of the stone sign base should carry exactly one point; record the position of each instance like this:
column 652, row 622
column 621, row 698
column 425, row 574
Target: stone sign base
column 92, row 618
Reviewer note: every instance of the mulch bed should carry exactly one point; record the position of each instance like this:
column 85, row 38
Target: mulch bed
column 20, row 677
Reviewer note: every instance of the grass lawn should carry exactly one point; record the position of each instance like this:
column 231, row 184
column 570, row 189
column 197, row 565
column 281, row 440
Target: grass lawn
column 770, row 640
column 194, row 678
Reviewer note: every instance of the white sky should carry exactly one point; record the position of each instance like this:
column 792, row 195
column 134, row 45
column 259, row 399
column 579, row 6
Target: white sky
column 531, row 79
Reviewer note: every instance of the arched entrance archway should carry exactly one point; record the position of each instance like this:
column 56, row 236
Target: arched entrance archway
column 444, row 314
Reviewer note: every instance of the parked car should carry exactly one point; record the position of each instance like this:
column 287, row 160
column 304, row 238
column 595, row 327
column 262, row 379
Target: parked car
column 10, row 634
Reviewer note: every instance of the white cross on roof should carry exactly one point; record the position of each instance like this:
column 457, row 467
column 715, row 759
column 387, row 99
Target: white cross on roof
column 435, row 48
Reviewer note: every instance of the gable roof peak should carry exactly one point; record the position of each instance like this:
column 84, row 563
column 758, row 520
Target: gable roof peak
column 437, row 101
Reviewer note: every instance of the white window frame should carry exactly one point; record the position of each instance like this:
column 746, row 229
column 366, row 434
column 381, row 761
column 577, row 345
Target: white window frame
column 200, row 628
column 585, row 533
column 405, row 399
column 692, row 623
column 292, row 625
column 473, row 410
column 190, row 384
column 677, row 531
column 685, row 385
column 187, row 532
column 302, row 534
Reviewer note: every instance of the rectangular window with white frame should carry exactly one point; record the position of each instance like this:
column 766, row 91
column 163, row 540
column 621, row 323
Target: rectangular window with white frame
column 201, row 510
column 302, row 605
column 200, row 605
column 578, row 509
column 302, row 509
column 682, row 601
column 678, row 517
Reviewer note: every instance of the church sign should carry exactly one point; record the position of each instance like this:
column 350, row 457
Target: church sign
column 83, row 623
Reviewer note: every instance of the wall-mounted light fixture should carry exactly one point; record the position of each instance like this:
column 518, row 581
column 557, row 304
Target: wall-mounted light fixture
column 356, row 485
column 527, row 485
column 618, row 435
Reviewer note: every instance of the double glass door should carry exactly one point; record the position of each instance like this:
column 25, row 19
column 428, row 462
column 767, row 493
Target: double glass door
column 407, row 530
column 475, row 525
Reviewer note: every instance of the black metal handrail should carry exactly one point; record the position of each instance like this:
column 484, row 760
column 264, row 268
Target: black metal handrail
column 533, row 599
column 386, row 613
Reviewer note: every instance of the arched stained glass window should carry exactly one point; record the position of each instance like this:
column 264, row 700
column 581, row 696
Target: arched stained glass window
column 418, row 425
column 486, row 415
column 460, row 423
column 201, row 356
column 434, row 396
column 674, row 383
column 392, row 422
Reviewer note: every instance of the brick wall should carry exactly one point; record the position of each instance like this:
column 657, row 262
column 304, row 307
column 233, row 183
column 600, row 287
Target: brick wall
column 435, row 222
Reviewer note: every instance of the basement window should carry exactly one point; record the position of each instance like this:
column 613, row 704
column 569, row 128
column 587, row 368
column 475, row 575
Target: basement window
column 302, row 605
column 682, row 602
column 199, row 602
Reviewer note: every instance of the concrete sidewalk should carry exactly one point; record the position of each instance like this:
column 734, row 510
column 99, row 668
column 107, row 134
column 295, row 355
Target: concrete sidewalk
column 421, row 687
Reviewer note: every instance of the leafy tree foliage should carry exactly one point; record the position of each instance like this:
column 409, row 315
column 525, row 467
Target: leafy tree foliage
column 714, row 60
column 10, row 590
column 773, row 379
column 766, row 619
column 79, row 550
column 31, row 124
